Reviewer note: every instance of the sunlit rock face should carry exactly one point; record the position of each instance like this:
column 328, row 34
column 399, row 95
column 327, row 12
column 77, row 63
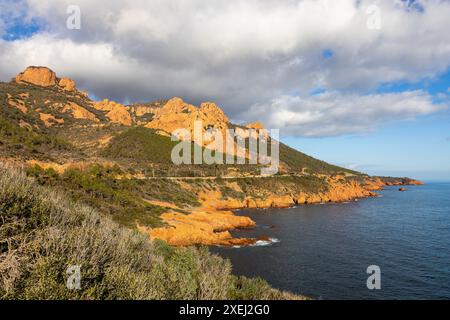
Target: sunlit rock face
column 40, row 76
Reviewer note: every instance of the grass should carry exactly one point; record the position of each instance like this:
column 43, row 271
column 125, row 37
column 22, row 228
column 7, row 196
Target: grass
column 146, row 145
column 42, row 234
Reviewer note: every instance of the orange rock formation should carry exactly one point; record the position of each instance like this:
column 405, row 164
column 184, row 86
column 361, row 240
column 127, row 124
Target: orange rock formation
column 116, row 112
column 79, row 112
column 41, row 76
column 177, row 114
column 67, row 84
column 49, row 120
column 204, row 225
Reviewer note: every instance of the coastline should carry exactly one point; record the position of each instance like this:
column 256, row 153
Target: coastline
column 211, row 223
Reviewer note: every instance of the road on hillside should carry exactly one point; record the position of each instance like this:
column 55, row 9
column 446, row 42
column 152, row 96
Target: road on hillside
column 222, row 178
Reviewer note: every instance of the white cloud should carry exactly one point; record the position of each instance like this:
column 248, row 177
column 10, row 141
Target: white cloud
column 333, row 113
column 240, row 53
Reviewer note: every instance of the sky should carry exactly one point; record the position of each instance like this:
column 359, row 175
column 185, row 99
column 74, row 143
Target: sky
column 359, row 83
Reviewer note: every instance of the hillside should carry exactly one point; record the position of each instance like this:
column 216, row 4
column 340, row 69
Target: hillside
column 117, row 159
column 42, row 234
column 49, row 109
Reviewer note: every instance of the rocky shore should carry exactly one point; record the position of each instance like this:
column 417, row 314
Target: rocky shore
column 212, row 222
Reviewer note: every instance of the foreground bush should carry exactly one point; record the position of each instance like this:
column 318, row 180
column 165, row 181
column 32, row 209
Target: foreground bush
column 42, row 235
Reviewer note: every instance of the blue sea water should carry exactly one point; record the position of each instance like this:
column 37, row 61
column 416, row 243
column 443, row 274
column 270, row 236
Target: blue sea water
column 324, row 250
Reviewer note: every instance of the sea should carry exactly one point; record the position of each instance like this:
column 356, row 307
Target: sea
column 396, row 246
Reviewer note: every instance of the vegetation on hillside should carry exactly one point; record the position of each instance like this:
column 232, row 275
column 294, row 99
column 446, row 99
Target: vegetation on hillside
column 150, row 153
column 109, row 190
column 42, row 234
column 39, row 99
column 294, row 185
column 298, row 161
column 143, row 144
column 15, row 140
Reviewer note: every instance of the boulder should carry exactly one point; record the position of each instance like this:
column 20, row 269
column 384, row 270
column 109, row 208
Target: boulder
column 40, row 76
column 67, row 84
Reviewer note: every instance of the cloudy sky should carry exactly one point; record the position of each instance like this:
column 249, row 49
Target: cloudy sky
column 365, row 84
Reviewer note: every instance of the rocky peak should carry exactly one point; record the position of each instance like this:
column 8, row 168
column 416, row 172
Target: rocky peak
column 177, row 114
column 214, row 114
column 255, row 125
column 44, row 77
column 176, row 105
column 40, row 76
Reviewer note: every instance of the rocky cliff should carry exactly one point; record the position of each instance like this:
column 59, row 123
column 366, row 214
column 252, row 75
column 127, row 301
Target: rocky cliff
column 210, row 224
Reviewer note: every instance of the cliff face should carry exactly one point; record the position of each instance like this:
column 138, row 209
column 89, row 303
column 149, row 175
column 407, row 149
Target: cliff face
column 255, row 125
column 378, row 183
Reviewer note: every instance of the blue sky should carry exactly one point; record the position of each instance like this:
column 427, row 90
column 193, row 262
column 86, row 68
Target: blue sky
column 372, row 100
column 417, row 148
column 21, row 30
